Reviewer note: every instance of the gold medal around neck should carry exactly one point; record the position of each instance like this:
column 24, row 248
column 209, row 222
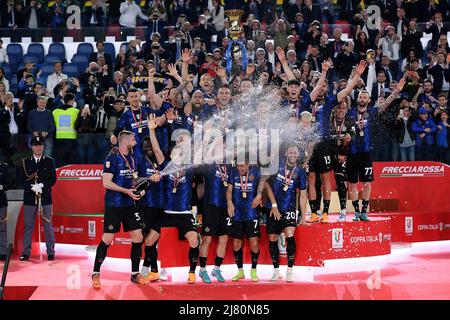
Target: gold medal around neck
column 174, row 190
column 361, row 133
column 286, row 187
column 313, row 119
column 225, row 184
column 135, row 175
column 139, row 130
column 244, row 195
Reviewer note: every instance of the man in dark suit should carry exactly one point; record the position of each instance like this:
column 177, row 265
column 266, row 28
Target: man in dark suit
column 176, row 47
column 39, row 176
column 155, row 25
column 311, row 12
column 94, row 16
column 262, row 65
column 224, row 33
column 390, row 68
column 348, row 9
column 337, row 44
column 204, row 31
column 101, row 52
column 436, row 28
column 381, row 87
column 156, row 54
column 314, row 59
column 300, row 26
column 440, row 73
column 411, row 39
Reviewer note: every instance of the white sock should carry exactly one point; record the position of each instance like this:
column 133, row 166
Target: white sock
column 202, row 269
column 216, row 268
column 277, row 270
column 290, row 269
column 144, row 271
column 134, row 273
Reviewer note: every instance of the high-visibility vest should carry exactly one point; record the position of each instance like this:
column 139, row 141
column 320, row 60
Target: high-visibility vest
column 65, row 123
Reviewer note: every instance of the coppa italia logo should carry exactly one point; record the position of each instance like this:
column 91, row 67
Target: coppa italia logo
column 412, row 171
column 337, row 238
column 409, row 225
column 80, row 174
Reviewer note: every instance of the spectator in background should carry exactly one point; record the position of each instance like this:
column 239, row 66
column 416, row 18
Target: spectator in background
column 390, row 43
column 411, row 39
column 34, row 16
column 55, row 78
column 443, row 44
column 85, row 126
column 129, row 12
column 100, row 45
column 362, row 44
column 66, row 135
column 443, row 138
column 348, row 9
column 94, row 16
column 57, row 18
column 406, row 136
column 13, row 125
column 3, row 92
column 4, row 80
column 217, row 15
column 345, row 61
column 311, row 12
column 204, row 31
column 3, row 55
column 440, row 74
column 279, row 32
column 436, row 27
column 157, row 6
column 41, row 123
column 156, row 25
column 424, row 128
column 11, row 20
column 337, row 44
column 252, row 32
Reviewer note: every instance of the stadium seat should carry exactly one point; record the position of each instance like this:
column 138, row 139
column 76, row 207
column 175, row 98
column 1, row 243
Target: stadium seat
column 36, row 49
column 109, row 48
column 71, row 69
column 59, row 50
column 7, row 69
column 85, row 49
column 31, row 58
column 51, row 59
column 15, row 54
column 81, row 61
column 13, row 84
column 47, row 69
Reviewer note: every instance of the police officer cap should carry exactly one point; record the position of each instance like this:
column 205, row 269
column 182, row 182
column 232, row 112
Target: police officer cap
column 37, row 141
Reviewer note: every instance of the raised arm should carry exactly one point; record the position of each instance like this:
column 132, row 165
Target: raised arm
column 152, row 91
column 152, row 125
column 350, row 86
column 315, row 93
column 386, row 103
column 282, row 57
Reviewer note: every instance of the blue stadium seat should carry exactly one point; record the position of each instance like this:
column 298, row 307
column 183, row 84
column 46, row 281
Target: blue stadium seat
column 51, row 58
column 109, row 48
column 82, row 61
column 15, row 54
column 30, row 58
column 7, row 69
column 71, row 69
column 85, row 49
column 47, row 69
column 59, row 50
column 36, row 49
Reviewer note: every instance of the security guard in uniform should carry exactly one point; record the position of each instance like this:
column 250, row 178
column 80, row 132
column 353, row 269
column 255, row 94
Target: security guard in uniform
column 39, row 177
column 4, row 186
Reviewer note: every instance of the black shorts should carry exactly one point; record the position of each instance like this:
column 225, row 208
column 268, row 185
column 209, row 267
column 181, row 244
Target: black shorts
column 359, row 167
column 127, row 216
column 288, row 219
column 338, row 167
column 245, row 229
column 215, row 221
column 184, row 222
column 150, row 216
column 321, row 158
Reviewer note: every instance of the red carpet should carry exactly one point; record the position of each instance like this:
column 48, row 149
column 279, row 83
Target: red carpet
column 405, row 276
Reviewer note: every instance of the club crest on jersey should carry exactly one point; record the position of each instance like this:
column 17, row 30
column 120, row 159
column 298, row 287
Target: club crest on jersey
column 108, row 164
column 251, row 178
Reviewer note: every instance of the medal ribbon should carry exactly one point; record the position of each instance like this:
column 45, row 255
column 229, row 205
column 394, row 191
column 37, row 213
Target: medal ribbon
column 131, row 168
column 140, row 118
column 223, row 172
column 244, row 186
column 287, row 180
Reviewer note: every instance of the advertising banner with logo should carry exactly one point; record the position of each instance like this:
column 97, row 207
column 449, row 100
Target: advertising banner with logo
column 413, row 186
